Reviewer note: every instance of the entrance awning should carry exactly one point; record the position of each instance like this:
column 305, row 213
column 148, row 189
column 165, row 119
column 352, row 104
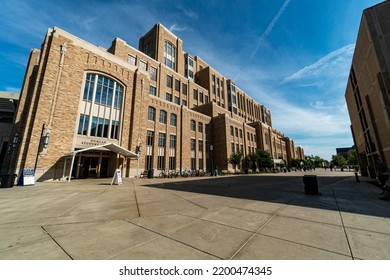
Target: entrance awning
column 109, row 146
column 112, row 147
column 278, row 162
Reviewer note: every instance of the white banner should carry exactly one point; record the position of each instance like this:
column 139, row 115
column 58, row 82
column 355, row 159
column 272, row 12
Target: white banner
column 259, row 269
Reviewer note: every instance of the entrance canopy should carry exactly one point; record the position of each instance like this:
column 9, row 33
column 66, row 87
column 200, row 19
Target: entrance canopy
column 112, row 147
column 109, row 146
column 278, row 162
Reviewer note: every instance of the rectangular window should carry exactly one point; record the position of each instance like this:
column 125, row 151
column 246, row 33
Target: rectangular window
column 232, row 147
column 169, row 81
column 168, row 97
column 173, row 120
column 193, row 163
column 151, row 114
column 201, row 163
column 206, row 99
column 184, row 102
column 149, row 138
column 192, row 125
column 131, row 59
column 161, row 140
column 192, row 144
column 152, row 90
column 161, row 162
column 149, row 162
column 153, row 73
column 143, row 65
column 172, row 163
column 93, row 126
column 177, row 85
column 100, row 127
column 118, row 97
column 236, row 130
column 177, row 100
column 114, row 129
column 184, row 89
column 195, row 94
column 200, row 127
column 88, row 89
column 200, row 146
column 83, row 124
column 163, row 117
column 231, row 131
column 172, row 141
column 201, row 97
column 106, row 125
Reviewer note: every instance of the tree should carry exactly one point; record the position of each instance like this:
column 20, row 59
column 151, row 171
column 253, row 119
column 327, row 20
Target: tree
column 253, row 158
column 235, row 159
column 341, row 160
column 353, row 158
column 264, row 159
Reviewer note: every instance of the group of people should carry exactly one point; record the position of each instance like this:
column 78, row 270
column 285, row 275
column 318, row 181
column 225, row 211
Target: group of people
column 383, row 173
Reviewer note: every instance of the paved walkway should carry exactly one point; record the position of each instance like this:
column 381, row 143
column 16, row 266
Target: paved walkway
column 232, row 217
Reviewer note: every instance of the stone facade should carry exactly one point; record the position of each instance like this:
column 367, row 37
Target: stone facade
column 159, row 102
column 368, row 90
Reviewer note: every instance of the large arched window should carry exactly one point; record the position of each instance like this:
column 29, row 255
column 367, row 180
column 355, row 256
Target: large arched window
column 100, row 112
column 169, row 55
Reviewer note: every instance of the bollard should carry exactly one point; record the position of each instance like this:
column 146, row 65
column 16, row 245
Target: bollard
column 356, row 177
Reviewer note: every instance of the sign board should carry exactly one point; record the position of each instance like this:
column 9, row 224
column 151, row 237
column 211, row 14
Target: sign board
column 28, row 177
column 117, row 177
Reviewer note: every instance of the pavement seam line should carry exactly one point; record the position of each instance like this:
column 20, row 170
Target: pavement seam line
column 302, row 244
column 263, row 226
column 342, row 222
column 55, row 241
column 70, row 209
column 188, row 200
column 166, row 236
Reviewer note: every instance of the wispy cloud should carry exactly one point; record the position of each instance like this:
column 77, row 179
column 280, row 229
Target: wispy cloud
column 329, row 65
column 175, row 28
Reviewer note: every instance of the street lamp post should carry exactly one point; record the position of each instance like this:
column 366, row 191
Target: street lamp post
column 212, row 164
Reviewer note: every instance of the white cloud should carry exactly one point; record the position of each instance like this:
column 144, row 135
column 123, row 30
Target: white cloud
column 175, row 28
column 330, row 65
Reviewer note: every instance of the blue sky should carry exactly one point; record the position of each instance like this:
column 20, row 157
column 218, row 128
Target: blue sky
column 293, row 56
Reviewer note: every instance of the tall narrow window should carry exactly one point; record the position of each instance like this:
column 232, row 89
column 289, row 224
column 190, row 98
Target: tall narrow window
column 169, row 55
column 163, row 117
column 169, row 81
column 192, row 125
column 152, row 90
column 88, row 89
column 151, row 114
column 173, row 121
column 153, row 73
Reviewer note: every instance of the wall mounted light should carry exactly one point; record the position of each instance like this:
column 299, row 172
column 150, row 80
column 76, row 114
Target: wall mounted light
column 46, row 139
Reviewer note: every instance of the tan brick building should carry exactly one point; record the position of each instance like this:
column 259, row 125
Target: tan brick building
column 85, row 110
column 368, row 90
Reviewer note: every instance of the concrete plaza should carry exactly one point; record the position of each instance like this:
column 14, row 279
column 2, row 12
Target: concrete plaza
column 266, row 216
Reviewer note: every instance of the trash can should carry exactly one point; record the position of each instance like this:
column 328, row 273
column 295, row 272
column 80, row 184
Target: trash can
column 7, row 181
column 311, row 184
column 150, row 173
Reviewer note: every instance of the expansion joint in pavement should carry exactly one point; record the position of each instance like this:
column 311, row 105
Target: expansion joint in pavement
column 55, row 241
column 342, row 222
column 264, row 225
